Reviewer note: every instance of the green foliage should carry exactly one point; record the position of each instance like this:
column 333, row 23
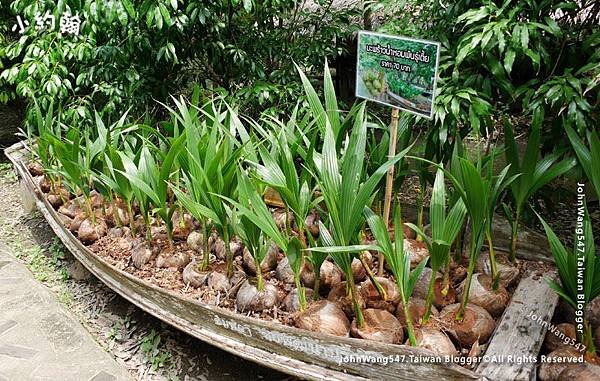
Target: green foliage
column 534, row 173
column 444, row 230
column 589, row 159
column 569, row 270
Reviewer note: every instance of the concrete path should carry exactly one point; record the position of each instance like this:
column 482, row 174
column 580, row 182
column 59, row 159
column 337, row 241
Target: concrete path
column 39, row 339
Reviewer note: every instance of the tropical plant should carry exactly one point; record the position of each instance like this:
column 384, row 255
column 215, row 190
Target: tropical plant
column 569, row 271
column 534, row 173
column 151, row 179
column 444, row 230
column 398, row 260
column 253, row 207
column 210, row 171
column 339, row 176
column 589, row 159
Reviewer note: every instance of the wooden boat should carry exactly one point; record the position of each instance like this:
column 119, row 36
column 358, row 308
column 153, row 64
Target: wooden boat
column 301, row 353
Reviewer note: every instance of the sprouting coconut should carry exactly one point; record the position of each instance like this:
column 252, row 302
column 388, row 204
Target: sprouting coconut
column 218, row 281
column 378, row 325
column 331, row 275
column 481, row 294
column 178, row 260
column 417, row 250
column 70, row 209
column 508, row 274
column 559, row 360
column 291, row 302
column 89, row 232
column 35, row 168
column 442, row 297
column 267, row 264
column 417, row 310
column 280, row 220
column 580, row 372
column 554, row 339
column 435, row 341
column 477, row 324
column 312, row 223
column 284, row 272
column 593, row 312
column 195, row 241
column 141, row 253
column 193, row 277
column 339, row 295
column 373, row 298
column 325, row 317
column 358, row 269
column 183, row 224
column 249, row 298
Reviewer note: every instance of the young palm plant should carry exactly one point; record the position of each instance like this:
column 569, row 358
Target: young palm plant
column 210, row 175
column 151, row 179
column 535, row 173
column 569, row 288
column 253, row 208
column 444, row 230
column 345, row 194
column 589, row 159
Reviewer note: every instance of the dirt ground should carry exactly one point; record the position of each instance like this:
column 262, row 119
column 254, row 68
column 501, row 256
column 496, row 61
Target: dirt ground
column 148, row 348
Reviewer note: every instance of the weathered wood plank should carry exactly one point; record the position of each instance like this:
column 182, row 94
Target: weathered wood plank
column 518, row 334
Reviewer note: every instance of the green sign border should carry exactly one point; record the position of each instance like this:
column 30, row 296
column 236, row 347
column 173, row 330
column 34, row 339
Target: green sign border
column 400, row 38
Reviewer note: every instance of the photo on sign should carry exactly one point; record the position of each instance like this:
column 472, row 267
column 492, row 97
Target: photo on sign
column 397, row 71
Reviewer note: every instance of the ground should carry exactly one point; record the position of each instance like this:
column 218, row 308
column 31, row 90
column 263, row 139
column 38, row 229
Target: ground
column 146, row 347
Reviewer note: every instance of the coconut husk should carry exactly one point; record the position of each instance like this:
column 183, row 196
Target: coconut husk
column 121, row 232
column 45, row 184
column 481, row 294
column 550, row 370
column 193, row 277
column 417, row 250
column 477, row 324
column 580, row 372
column 267, row 264
column 179, row 260
column 331, row 275
column 90, row 232
column 373, row 298
column 35, row 168
column 182, row 229
column 218, row 281
column 312, row 223
column 250, row 299
column 339, row 295
column 284, row 272
column 440, row 300
column 279, row 217
column 141, row 253
column 417, row 310
column 325, row 317
column 291, row 302
column 593, row 312
column 70, row 209
column 597, row 337
column 509, row 274
column 195, row 241
column 434, row 341
column 553, row 340
column 380, row 326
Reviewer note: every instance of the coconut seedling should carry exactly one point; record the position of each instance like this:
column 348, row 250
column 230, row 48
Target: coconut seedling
column 253, row 208
column 151, row 179
column 398, row 260
column 345, row 194
column 535, row 173
column 445, row 227
column 210, row 176
column 278, row 171
column 567, row 262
